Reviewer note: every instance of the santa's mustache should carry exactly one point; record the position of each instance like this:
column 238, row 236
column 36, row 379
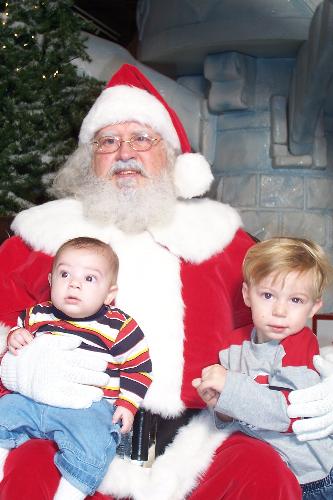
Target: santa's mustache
column 121, row 166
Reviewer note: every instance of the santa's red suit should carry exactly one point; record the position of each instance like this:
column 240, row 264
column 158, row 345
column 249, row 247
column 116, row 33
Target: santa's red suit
column 182, row 283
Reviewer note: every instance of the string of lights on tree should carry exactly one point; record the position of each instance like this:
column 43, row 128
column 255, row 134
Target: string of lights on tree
column 44, row 96
column 5, row 20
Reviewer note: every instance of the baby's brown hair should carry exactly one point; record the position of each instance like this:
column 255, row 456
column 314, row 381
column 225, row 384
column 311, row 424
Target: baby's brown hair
column 93, row 244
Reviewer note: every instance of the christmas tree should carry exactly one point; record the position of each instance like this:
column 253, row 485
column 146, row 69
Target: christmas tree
column 43, row 98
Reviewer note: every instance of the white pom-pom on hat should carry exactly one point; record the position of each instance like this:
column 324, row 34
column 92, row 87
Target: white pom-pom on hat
column 192, row 175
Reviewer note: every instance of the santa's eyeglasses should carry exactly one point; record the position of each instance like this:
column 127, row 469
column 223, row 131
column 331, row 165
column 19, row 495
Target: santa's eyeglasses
column 111, row 143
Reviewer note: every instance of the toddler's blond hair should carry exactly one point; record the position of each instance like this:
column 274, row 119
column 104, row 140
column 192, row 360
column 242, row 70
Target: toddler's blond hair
column 282, row 255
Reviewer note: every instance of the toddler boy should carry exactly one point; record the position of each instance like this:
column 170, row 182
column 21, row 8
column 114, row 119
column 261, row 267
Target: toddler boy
column 284, row 279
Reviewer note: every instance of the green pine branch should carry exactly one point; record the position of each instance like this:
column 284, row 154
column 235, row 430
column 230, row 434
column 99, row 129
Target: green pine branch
column 43, row 97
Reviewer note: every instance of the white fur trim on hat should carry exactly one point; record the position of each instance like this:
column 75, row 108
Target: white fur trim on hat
column 192, row 175
column 123, row 103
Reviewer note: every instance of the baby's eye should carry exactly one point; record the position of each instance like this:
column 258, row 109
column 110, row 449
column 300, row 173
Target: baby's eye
column 297, row 300
column 64, row 274
column 267, row 295
column 90, row 278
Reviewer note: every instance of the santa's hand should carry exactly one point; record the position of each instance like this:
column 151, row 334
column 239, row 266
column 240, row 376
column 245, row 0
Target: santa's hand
column 314, row 404
column 51, row 370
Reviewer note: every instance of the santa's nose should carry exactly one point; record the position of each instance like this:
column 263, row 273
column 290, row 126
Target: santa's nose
column 125, row 152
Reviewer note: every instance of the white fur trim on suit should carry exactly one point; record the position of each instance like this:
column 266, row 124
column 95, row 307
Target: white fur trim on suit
column 123, row 103
column 192, row 175
column 143, row 267
column 199, row 229
column 175, row 473
column 46, row 227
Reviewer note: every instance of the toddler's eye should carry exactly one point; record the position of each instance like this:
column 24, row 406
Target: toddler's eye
column 297, row 300
column 64, row 274
column 267, row 295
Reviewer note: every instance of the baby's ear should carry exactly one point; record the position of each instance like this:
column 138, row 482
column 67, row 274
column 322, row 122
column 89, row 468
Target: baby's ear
column 111, row 295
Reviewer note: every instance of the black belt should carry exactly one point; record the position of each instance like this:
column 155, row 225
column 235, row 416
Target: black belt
column 149, row 428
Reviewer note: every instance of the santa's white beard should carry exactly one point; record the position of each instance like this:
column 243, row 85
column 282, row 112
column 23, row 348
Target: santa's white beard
column 130, row 207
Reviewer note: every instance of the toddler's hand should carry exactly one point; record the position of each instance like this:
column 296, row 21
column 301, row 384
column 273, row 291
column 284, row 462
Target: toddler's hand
column 207, row 394
column 211, row 384
column 124, row 417
column 18, row 339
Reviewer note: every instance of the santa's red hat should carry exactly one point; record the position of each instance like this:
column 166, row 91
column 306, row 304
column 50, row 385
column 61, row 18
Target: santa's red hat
column 130, row 96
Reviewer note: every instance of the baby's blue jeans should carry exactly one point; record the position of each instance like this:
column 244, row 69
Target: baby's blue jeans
column 86, row 438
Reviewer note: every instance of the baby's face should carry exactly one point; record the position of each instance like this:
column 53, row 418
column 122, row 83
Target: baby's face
column 81, row 282
column 281, row 305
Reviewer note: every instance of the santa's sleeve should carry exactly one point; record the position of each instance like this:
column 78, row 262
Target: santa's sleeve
column 23, row 281
column 214, row 309
column 233, row 257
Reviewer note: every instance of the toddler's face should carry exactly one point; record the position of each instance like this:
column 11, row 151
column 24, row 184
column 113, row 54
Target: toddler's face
column 81, row 282
column 281, row 305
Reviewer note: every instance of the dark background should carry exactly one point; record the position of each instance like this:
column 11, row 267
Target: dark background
column 114, row 20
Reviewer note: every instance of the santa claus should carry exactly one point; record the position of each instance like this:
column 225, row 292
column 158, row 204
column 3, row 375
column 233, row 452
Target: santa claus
column 133, row 183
